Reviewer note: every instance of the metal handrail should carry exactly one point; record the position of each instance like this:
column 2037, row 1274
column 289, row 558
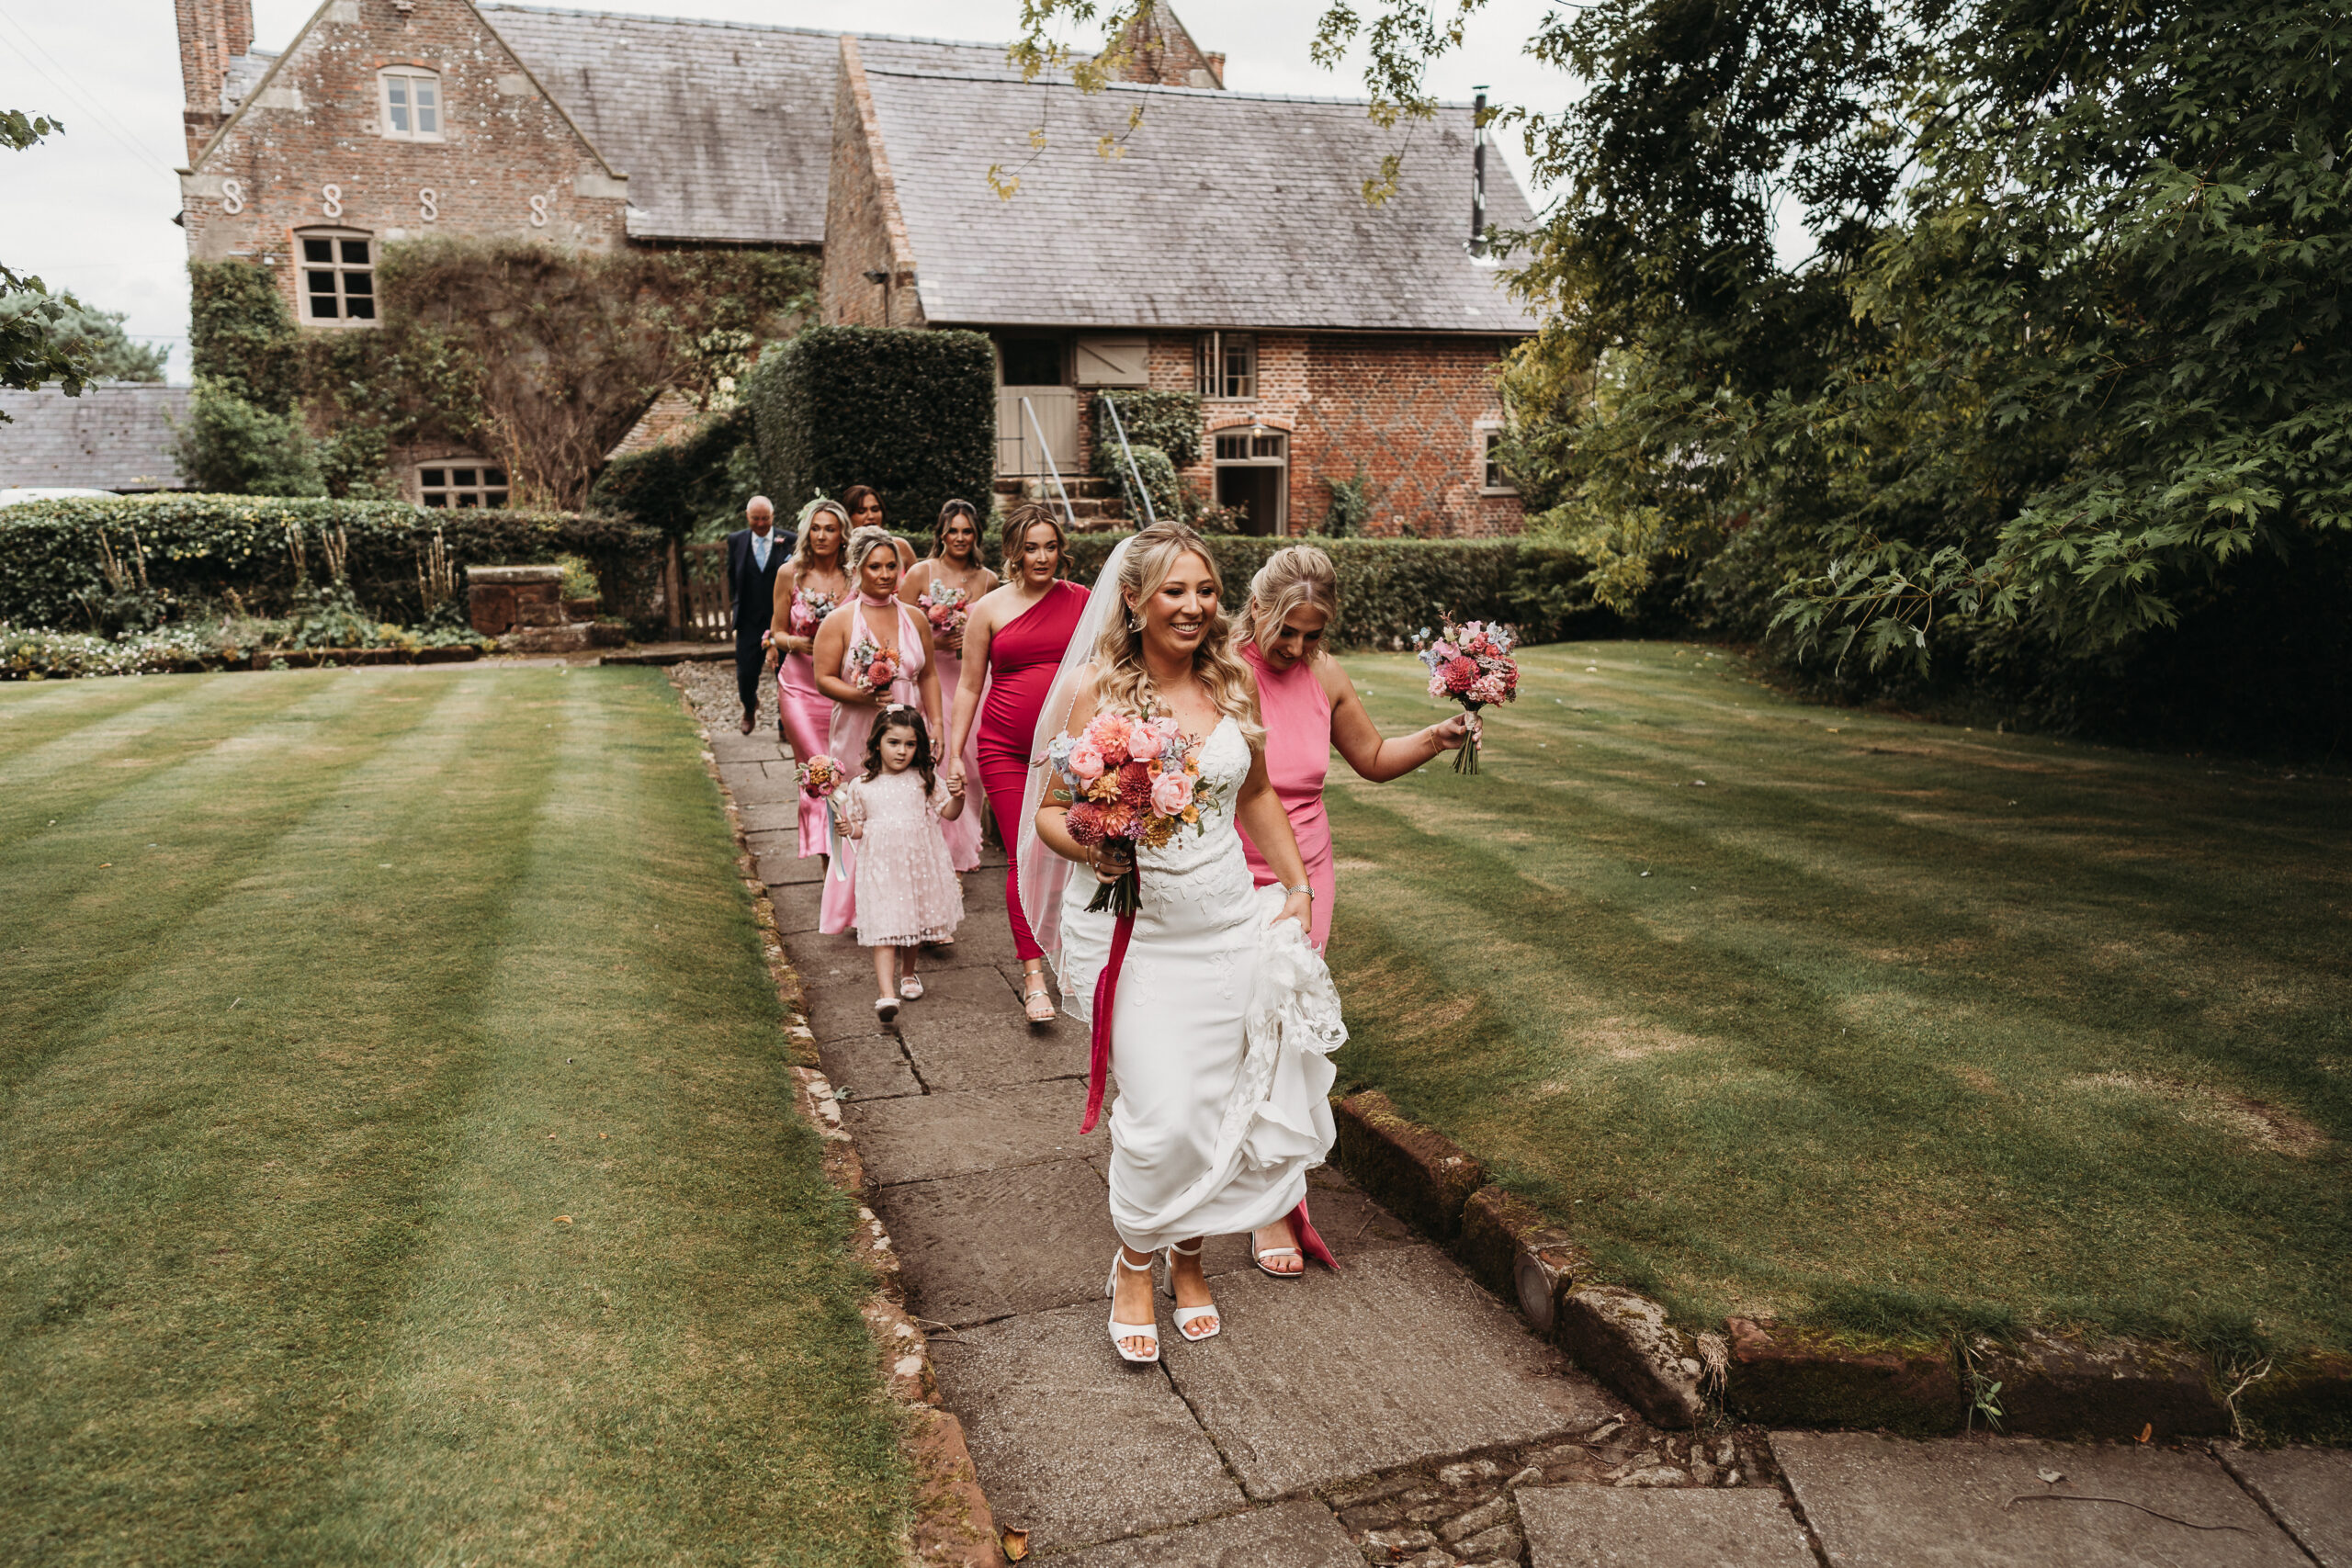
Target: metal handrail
column 1119, row 428
column 1070, row 515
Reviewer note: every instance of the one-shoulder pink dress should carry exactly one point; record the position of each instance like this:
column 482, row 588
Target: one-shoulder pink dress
column 1024, row 656
column 845, row 741
column 1298, row 715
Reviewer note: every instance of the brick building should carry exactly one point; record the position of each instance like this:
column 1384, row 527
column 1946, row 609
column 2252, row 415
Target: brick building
column 1225, row 250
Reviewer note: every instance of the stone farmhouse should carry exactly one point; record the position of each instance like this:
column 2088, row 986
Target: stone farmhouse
column 1220, row 244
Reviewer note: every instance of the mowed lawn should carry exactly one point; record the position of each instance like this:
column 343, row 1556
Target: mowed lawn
column 397, row 1144
column 1797, row 1011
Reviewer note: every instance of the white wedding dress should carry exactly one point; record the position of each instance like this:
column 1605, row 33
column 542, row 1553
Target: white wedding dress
column 1221, row 1035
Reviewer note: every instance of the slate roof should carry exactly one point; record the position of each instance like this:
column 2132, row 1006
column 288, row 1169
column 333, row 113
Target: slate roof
column 1226, row 210
column 117, row 437
column 724, row 129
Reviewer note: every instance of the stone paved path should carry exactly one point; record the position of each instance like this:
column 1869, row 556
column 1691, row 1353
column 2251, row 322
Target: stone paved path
column 1391, row 1413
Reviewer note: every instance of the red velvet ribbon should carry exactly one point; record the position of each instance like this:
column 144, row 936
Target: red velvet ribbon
column 1106, row 996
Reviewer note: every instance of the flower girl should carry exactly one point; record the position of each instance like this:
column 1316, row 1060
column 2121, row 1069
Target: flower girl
column 907, row 889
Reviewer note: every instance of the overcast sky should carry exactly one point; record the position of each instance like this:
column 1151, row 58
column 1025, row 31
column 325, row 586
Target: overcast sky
column 91, row 210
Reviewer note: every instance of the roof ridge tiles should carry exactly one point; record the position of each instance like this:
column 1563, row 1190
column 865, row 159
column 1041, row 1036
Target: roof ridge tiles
column 1219, row 95
column 731, row 25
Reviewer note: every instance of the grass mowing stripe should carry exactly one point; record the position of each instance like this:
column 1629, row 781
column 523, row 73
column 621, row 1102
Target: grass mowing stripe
column 45, row 735
column 1882, row 1067
column 678, row 1373
column 223, row 1165
column 282, row 1289
column 142, row 858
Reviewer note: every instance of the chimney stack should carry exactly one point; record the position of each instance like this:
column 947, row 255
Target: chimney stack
column 1477, row 245
column 212, row 33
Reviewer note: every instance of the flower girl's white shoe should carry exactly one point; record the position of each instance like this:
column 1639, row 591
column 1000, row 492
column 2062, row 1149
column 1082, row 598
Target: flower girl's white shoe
column 1187, row 1316
column 1122, row 1332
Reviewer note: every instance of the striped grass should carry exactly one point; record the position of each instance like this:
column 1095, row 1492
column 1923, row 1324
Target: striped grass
column 398, row 1141
column 1842, row 1018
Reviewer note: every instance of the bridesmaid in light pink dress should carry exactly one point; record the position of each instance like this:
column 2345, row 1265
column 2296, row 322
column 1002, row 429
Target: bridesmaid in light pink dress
column 806, row 592
column 872, row 620
column 1310, row 706
column 954, row 568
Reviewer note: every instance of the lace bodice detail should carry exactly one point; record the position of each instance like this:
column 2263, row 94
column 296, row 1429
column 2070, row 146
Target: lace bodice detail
column 1224, row 767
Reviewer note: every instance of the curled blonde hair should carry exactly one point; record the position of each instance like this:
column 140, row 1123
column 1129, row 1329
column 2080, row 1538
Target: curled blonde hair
column 801, row 559
column 1294, row 578
column 1017, row 523
column 1121, row 681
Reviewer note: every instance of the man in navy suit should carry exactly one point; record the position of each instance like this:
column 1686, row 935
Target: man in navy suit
column 755, row 556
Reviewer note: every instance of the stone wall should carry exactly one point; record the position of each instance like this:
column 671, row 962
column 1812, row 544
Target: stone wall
column 863, row 229
column 306, row 152
column 211, row 34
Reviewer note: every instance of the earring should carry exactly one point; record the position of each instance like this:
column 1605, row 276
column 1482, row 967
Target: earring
column 1133, row 624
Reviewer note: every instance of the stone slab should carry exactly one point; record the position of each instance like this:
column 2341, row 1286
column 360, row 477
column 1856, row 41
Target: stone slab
column 977, row 1247
column 1289, row 1535
column 796, row 906
column 925, row 1137
column 2310, row 1491
column 1604, row 1527
column 768, row 816
column 969, row 1032
column 742, row 749
column 1348, row 1222
column 868, row 1066
column 1395, row 1359
column 1072, row 1444
column 1886, row 1503
column 782, row 870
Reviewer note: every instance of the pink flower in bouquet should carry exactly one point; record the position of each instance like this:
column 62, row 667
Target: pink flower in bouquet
column 1134, row 786
column 801, row 622
column 1109, row 733
column 1171, row 792
column 882, row 671
column 1144, row 742
column 1087, row 824
column 1437, row 685
column 1459, row 673
column 1085, row 761
column 1445, row 650
column 1488, row 689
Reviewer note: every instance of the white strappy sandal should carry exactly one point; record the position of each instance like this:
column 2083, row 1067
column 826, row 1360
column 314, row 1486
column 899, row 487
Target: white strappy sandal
column 1258, row 1257
column 1186, row 1317
column 1122, row 1332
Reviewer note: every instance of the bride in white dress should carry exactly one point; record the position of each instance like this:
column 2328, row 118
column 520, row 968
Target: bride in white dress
column 1224, row 1017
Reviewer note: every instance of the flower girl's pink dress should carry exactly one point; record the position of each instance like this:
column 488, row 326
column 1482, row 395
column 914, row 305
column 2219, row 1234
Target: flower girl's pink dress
column 907, row 887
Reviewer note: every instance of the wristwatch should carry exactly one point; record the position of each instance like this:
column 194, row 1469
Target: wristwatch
column 1307, row 888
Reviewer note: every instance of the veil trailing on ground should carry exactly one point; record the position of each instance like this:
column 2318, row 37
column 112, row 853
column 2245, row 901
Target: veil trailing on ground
column 1041, row 874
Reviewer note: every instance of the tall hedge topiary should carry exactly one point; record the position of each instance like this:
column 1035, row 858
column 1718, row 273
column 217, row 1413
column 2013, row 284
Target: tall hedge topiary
column 913, row 413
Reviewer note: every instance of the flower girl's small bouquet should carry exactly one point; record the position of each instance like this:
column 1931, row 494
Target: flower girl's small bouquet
column 878, row 667
column 946, row 607
column 1472, row 664
column 820, row 777
column 1130, row 781
column 808, row 610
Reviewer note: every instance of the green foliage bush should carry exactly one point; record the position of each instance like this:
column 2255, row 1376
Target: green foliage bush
column 37, row 653
column 910, row 414
column 1351, row 506
column 1170, row 421
column 680, row 486
column 200, row 551
column 233, row 446
column 1159, row 475
column 241, row 336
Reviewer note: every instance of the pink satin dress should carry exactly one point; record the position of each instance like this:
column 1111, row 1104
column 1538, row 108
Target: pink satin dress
column 963, row 834
column 805, row 712
column 1298, row 715
column 845, row 740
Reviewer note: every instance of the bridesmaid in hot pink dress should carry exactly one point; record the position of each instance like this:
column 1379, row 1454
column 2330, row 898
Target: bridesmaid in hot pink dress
column 954, row 568
column 1310, row 706
column 872, row 620
column 1015, row 644
column 806, row 592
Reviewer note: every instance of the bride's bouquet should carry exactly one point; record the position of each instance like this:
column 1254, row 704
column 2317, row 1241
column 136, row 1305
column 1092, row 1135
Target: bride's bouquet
column 1130, row 781
column 945, row 606
column 1472, row 664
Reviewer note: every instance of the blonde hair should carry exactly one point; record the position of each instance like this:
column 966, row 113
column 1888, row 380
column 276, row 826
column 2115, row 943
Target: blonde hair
column 801, row 559
column 1294, row 578
column 1121, row 681
column 863, row 543
column 1017, row 523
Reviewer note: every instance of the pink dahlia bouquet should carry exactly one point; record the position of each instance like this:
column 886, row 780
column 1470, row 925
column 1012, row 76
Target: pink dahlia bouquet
column 878, row 668
column 820, row 776
column 1472, row 664
column 808, row 609
column 1133, row 781
column 945, row 607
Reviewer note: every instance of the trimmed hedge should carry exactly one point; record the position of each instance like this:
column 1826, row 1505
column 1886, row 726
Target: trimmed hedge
column 674, row 486
column 197, row 549
column 911, row 413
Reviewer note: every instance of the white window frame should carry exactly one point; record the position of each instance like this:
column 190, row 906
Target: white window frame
column 481, row 489
column 413, row 111
column 337, row 239
column 1262, row 448
column 1492, row 480
column 1213, row 367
